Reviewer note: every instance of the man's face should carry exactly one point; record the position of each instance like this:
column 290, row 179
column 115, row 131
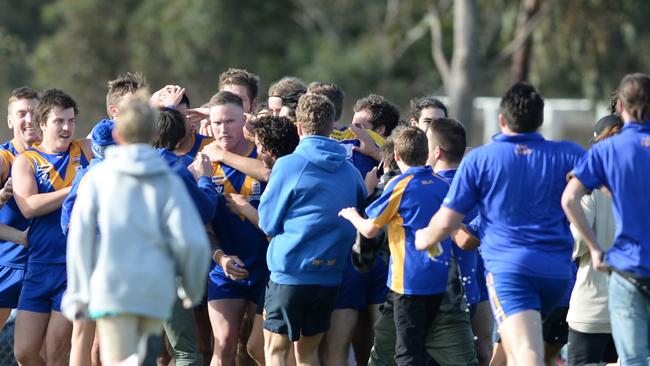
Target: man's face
column 362, row 118
column 275, row 105
column 427, row 116
column 59, row 128
column 267, row 159
column 227, row 123
column 242, row 92
column 20, row 120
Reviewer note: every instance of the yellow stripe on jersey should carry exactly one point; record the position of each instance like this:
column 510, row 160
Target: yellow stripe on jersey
column 396, row 236
column 8, row 159
column 347, row 134
column 76, row 151
column 497, row 309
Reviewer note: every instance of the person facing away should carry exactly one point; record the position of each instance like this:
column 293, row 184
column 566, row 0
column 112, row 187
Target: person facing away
column 150, row 234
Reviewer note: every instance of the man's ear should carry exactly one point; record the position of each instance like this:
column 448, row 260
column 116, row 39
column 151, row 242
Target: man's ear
column 502, row 121
column 414, row 122
column 113, row 111
column 381, row 130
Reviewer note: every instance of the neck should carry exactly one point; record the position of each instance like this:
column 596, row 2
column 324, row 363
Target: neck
column 20, row 144
column 444, row 165
column 338, row 125
column 50, row 148
column 402, row 167
column 185, row 145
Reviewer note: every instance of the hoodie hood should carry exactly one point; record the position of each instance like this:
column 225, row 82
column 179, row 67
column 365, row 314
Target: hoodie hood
column 323, row 152
column 136, row 159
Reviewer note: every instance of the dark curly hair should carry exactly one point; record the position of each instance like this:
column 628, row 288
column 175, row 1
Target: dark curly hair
column 523, row 108
column 418, row 104
column 278, row 135
column 384, row 113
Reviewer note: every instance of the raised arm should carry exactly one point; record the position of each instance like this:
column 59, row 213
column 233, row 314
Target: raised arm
column 31, row 203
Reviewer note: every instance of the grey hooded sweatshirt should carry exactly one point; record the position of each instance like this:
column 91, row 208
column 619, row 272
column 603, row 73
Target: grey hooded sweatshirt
column 151, row 241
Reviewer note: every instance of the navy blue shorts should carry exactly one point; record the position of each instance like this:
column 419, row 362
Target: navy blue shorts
column 221, row 287
column 11, row 282
column 512, row 293
column 358, row 290
column 297, row 310
column 43, row 287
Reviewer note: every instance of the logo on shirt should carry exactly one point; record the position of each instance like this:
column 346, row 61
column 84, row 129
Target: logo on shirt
column 43, row 173
column 76, row 161
column 522, row 150
column 218, row 181
column 256, row 188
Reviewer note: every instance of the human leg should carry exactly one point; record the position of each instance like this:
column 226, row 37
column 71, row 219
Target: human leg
column 226, row 316
column 339, row 336
column 413, row 315
column 57, row 339
column 81, row 344
column 181, row 333
column 29, row 337
column 521, row 336
column 482, row 324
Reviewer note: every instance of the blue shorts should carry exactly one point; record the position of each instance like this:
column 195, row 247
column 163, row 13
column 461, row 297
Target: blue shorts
column 221, row 287
column 512, row 293
column 480, row 277
column 11, row 282
column 43, row 287
column 358, row 290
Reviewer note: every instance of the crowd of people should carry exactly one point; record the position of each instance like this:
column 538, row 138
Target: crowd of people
column 267, row 231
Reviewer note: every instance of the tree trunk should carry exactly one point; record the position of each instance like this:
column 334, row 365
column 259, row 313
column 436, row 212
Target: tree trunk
column 521, row 57
column 463, row 71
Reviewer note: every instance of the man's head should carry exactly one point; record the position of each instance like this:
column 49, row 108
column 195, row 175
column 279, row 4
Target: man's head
column 375, row 113
column 522, row 109
column 425, row 110
column 275, row 137
column 121, row 89
column 411, row 148
column 315, row 115
column 56, row 115
column 227, row 120
column 283, row 92
column 136, row 123
column 170, row 129
column 447, row 141
column 20, row 119
column 242, row 83
column 634, row 98
column 332, row 92
column 101, row 137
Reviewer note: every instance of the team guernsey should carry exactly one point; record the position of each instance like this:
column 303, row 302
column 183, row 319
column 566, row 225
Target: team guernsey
column 237, row 236
column 349, row 141
column 517, row 182
column 45, row 280
column 407, row 205
column 198, row 143
column 13, row 257
column 619, row 163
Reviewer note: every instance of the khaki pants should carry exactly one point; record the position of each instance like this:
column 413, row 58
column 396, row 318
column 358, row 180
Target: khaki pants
column 124, row 336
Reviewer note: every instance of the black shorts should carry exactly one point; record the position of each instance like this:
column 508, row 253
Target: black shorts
column 555, row 328
column 297, row 310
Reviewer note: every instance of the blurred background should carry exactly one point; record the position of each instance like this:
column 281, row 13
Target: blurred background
column 573, row 51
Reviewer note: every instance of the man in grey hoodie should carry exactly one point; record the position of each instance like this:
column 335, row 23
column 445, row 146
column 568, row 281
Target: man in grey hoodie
column 150, row 234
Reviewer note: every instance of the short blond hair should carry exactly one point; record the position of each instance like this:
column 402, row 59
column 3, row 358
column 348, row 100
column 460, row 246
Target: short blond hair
column 315, row 115
column 136, row 122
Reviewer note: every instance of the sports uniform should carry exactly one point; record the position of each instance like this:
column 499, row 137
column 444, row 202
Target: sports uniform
column 198, row 143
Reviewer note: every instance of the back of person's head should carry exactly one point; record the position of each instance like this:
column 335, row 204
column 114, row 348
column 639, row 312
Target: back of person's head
column 384, row 113
column 523, row 108
column 123, row 85
column 607, row 127
column 243, row 78
column 286, row 86
column 388, row 153
column 277, row 135
column 315, row 115
column 136, row 122
column 22, row 92
column 416, row 106
column 50, row 99
column 101, row 137
column 224, row 98
column 185, row 101
column 170, row 129
column 411, row 145
column 332, row 92
column 450, row 136
column 634, row 94
column 613, row 101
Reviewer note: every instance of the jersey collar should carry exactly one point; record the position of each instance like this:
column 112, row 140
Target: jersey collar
column 520, row 137
column 638, row 127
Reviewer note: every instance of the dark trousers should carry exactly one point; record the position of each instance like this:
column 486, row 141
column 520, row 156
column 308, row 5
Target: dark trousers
column 413, row 316
column 590, row 348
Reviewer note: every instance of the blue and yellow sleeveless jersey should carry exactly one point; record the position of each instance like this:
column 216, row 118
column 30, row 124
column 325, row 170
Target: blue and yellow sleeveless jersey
column 53, row 172
column 407, row 205
column 11, row 254
column 198, row 143
column 237, row 235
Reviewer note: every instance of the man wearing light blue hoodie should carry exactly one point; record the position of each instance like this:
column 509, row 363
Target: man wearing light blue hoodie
column 308, row 253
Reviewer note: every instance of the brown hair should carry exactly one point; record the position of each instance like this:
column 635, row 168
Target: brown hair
column 51, row 99
column 23, row 92
column 136, row 122
column 315, row 115
column 332, row 92
column 124, row 84
column 384, row 113
column 287, row 85
column 450, row 136
column 411, row 145
column 634, row 93
column 225, row 97
column 241, row 77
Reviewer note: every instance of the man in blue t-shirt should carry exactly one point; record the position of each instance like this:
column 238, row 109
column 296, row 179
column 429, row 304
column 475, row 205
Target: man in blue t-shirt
column 617, row 164
column 516, row 181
